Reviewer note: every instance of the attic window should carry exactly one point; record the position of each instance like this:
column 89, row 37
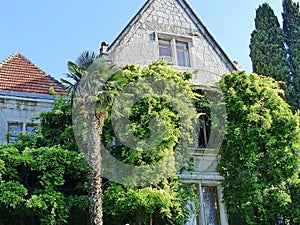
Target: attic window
column 165, row 48
column 182, row 51
column 174, row 51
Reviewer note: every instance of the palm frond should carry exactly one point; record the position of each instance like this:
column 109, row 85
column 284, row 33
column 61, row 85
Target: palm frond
column 85, row 59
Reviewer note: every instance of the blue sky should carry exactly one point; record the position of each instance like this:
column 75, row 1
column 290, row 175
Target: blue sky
column 52, row 32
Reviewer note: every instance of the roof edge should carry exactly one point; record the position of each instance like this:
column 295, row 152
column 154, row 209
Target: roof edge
column 195, row 18
column 136, row 16
column 12, row 56
column 5, row 61
column 202, row 28
column 26, row 95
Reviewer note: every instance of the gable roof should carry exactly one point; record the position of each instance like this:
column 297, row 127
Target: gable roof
column 196, row 20
column 19, row 74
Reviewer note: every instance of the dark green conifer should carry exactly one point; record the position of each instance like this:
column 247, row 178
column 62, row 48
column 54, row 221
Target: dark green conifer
column 268, row 53
column 267, row 49
column 291, row 30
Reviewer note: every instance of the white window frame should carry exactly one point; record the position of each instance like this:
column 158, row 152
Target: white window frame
column 173, row 40
column 186, row 52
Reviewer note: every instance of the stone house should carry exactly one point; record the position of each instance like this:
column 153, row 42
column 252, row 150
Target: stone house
column 24, row 92
column 162, row 29
column 170, row 30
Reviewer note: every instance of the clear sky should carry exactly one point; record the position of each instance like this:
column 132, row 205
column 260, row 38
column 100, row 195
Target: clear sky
column 52, row 32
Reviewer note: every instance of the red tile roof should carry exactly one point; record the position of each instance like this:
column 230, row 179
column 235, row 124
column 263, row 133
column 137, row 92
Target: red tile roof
column 19, row 74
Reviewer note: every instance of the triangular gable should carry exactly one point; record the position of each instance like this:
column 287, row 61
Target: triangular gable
column 150, row 5
column 130, row 24
column 19, row 74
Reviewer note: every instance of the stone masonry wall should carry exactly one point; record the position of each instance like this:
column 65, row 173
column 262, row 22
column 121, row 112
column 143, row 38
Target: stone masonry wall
column 19, row 111
column 139, row 44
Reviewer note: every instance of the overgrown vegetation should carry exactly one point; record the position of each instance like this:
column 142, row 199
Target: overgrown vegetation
column 162, row 201
column 44, row 178
column 260, row 156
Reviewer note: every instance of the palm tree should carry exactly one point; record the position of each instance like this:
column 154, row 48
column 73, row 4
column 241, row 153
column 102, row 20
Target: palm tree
column 93, row 88
column 78, row 69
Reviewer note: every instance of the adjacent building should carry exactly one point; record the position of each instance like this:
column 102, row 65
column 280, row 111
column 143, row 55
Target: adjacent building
column 24, row 92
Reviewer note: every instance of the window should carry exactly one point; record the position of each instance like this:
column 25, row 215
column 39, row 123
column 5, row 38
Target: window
column 205, row 123
column 210, row 206
column 14, row 128
column 208, row 210
column 30, row 128
column 204, row 131
column 174, row 51
column 192, row 219
column 182, row 50
column 165, row 48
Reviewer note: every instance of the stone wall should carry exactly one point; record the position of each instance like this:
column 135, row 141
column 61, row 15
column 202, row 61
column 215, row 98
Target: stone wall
column 20, row 110
column 138, row 43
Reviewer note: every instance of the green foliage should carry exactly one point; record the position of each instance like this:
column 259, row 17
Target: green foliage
column 103, row 86
column 163, row 204
column 291, row 29
column 275, row 51
column 78, row 69
column 268, row 52
column 163, row 200
column 260, row 157
column 43, row 175
column 51, row 207
column 12, row 194
column 56, row 126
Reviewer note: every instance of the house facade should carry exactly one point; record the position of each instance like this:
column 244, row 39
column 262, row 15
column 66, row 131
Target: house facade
column 170, row 30
column 162, row 29
column 24, row 92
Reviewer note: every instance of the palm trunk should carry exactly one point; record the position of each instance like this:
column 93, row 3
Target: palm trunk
column 95, row 162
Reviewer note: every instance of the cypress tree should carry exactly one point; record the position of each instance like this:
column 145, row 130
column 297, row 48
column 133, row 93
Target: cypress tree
column 291, row 30
column 267, row 49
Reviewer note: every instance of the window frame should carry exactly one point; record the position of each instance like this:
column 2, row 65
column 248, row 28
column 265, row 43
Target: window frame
column 185, row 51
column 203, row 216
column 174, row 40
column 13, row 136
column 200, row 214
column 33, row 125
column 160, row 40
